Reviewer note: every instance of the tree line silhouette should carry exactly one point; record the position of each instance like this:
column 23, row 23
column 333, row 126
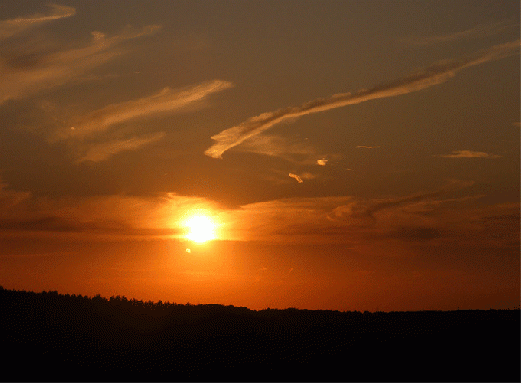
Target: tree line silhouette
column 75, row 337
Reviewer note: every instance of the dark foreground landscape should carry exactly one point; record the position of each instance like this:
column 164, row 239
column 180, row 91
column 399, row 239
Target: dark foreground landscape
column 75, row 338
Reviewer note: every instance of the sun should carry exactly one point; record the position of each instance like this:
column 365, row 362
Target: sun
column 201, row 228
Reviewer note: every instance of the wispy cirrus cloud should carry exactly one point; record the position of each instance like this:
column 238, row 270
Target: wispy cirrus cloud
column 103, row 151
column 166, row 100
column 434, row 75
column 18, row 25
column 468, row 154
column 482, row 30
column 84, row 137
column 291, row 150
column 27, row 73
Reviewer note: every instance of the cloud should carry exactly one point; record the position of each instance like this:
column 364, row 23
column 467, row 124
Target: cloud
column 64, row 225
column 23, row 214
column 87, row 128
column 449, row 215
column 364, row 214
column 469, row 154
column 10, row 199
column 308, row 176
column 322, row 162
column 282, row 219
column 48, row 223
column 103, row 151
column 367, row 147
column 276, row 146
column 16, row 26
column 166, row 100
column 299, row 180
column 437, row 217
column 25, row 74
column 483, row 30
column 415, row 233
column 282, row 147
column 434, row 75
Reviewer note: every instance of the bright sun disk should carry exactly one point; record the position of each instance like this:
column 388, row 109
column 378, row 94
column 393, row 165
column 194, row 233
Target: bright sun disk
column 201, row 228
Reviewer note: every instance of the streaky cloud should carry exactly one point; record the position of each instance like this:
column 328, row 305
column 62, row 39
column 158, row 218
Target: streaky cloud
column 103, row 151
column 469, row 154
column 13, row 27
column 455, row 219
column 166, row 100
column 57, row 68
column 450, row 215
column 358, row 214
column 104, row 216
column 482, row 30
column 433, row 75
column 281, row 147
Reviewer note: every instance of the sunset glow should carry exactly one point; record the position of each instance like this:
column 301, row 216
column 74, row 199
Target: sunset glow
column 313, row 154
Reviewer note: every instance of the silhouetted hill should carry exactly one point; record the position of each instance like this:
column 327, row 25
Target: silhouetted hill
column 76, row 338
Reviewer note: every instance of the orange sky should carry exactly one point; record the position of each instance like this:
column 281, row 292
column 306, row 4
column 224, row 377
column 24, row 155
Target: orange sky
column 351, row 156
